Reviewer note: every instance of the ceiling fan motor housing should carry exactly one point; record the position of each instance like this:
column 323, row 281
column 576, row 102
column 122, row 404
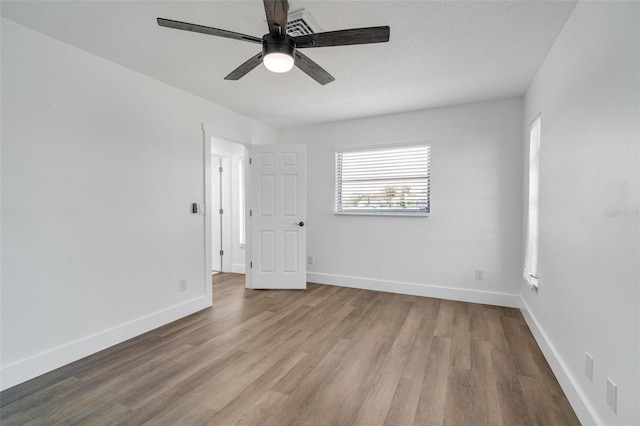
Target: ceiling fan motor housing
column 271, row 44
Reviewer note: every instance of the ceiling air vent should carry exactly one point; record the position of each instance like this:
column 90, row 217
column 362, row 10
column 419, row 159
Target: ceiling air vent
column 300, row 24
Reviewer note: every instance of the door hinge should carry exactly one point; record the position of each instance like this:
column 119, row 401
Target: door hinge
column 220, row 169
column 250, row 213
column 221, row 211
column 250, row 264
column 221, row 252
column 250, row 160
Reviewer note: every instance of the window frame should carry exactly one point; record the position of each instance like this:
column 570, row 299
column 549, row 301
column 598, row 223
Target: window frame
column 380, row 212
column 531, row 253
column 242, row 229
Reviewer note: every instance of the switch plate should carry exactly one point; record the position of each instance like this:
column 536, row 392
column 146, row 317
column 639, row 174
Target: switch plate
column 479, row 274
column 183, row 285
column 588, row 366
column 310, row 260
column 612, row 395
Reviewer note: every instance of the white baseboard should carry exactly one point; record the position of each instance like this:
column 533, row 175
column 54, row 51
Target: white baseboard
column 585, row 412
column 237, row 268
column 34, row 366
column 414, row 289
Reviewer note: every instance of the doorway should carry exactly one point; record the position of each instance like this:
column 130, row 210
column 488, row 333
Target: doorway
column 227, row 206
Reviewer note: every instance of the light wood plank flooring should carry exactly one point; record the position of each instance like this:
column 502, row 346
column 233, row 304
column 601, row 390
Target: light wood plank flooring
column 325, row 356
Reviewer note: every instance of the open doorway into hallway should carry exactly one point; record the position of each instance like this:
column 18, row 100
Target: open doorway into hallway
column 227, row 206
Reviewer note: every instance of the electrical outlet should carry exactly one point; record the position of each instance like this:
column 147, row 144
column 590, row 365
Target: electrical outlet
column 479, row 274
column 612, row 395
column 310, row 260
column 183, row 285
column 588, row 366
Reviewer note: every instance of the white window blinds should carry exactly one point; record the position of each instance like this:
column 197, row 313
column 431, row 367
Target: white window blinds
column 531, row 250
column 389, row 180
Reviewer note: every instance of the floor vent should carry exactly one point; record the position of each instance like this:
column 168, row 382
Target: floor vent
column 298, row 24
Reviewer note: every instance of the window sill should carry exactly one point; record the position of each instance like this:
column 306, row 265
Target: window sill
column 381, row 214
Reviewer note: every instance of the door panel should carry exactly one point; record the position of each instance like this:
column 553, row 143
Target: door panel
column 290, row 202
column 267, row 195
column 278, row 249
column 267, row 251
column 291, row 239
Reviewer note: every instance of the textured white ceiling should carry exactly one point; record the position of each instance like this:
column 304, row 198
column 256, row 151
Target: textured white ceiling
column 440, row 52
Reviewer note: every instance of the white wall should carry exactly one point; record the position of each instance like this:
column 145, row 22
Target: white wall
column 588, row 92
column 476, row 202
column 99, row 168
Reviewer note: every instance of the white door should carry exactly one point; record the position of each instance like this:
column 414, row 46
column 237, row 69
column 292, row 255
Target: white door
column 216, row 219
column 278, row 216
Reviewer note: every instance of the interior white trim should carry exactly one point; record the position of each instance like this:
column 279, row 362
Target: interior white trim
column 415, row 289
column 36, row 365
column 206, row 196
column 585, row 412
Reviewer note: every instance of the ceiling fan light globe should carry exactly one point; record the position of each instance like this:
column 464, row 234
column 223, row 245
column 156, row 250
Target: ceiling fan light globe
column 278, row 62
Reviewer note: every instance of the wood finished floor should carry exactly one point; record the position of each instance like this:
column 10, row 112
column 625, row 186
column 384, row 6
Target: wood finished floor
column 328, row 355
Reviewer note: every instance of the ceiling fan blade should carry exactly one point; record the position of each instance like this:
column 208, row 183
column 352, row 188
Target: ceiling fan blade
column 344, row 37
column 244, row 69
column 206, row 30
column 312, row 69
column 277, row 11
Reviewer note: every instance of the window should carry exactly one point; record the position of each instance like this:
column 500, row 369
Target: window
column 383, row 181
column 241, row 202
column 531, row 250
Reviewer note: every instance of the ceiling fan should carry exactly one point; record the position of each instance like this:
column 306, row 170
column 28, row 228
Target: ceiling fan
column 279, row 50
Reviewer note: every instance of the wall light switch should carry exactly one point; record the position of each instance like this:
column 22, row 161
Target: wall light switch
column 479, row 274
column 588, row 366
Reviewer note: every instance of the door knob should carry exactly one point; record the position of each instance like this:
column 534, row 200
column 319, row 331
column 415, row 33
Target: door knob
column 299, row 223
